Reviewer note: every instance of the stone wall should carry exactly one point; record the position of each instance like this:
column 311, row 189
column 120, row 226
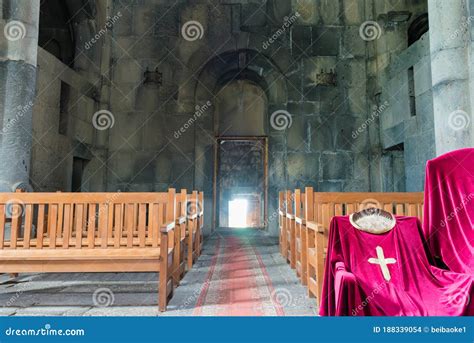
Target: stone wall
column 58, row 138
column 401, row 142
column 310, row 65
column 398, row 124
column 337, row 101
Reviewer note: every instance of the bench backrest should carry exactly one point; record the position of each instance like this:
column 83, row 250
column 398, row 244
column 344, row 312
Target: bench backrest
column 330, row 204
column 84, row 220
column 182, row 199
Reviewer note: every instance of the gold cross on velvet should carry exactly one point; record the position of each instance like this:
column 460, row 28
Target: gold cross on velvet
column 383, row 262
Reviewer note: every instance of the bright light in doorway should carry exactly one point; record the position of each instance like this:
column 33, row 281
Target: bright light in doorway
column 238, row 213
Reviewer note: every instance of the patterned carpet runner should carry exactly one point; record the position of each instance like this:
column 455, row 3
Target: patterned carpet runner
column 237, row 283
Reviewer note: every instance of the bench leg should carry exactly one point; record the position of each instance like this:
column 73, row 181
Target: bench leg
column 176, row 271
column 292, row 245
column 190, row 245
column 304, row 255
column 163, row 275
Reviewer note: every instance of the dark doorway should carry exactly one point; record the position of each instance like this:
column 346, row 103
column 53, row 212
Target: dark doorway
column 78, row 166
column 241, row 182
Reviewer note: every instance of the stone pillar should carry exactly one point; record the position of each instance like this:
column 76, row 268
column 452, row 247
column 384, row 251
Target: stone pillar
column 451, row 67
column 19, row 22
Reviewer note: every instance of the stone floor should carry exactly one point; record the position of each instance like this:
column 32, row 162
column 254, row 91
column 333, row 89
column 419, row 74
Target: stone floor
column 240, row 272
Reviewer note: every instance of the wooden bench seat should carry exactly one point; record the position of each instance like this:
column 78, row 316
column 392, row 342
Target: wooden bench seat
column 82, row 254
column 93, row 232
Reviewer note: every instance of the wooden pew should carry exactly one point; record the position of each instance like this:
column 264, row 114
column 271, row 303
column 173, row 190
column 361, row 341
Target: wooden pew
column 179, row 259
column 195, row 214
column 321, row 207
column 300, row 236
column 290, row 230
column 200, row 225
column 282, row 224
column 90, row 232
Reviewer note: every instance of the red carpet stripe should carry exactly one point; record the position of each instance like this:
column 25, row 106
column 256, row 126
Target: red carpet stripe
column 237, row 283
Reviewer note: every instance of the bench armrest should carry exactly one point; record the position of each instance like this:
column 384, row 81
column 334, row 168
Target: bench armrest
column 315, row 226
column 192, row 216
column 165, row 228
column 300, row 220
column 181, row 220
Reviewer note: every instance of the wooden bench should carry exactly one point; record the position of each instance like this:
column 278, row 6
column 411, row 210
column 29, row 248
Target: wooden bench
column 195, row 214
column 287, row 227
column 290, row 230
column 91, row 232
column 300, row 236
column 282, row 224
column 181, row 237
column 321, row 207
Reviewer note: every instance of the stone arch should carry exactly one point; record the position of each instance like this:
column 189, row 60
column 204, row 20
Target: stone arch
column 418, row 27
column 64, row 28
column 240, row 109
column 243, row 64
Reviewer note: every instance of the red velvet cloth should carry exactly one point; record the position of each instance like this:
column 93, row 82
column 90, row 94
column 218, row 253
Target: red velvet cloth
column 448, row 222
column 353, row 286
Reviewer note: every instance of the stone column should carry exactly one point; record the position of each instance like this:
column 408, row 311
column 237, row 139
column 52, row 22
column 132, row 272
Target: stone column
column 19, row 22
column 451, row 68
